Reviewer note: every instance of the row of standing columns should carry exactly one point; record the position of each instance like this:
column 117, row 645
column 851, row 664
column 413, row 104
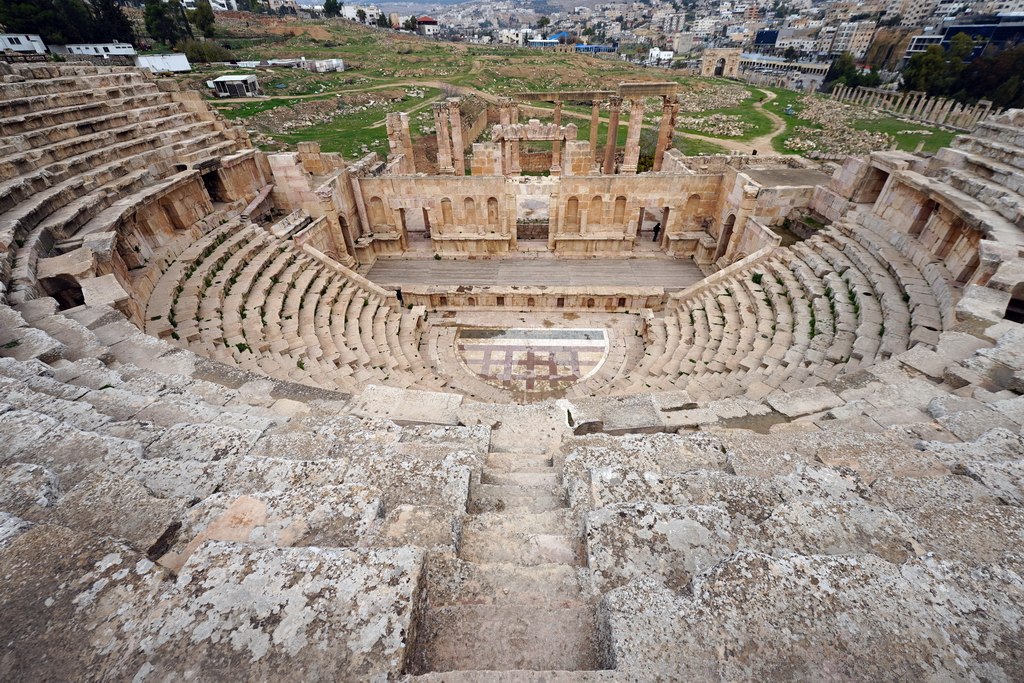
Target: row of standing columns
column 917, row 105
column 631, row 157
column 451, row 157
column 451, row 160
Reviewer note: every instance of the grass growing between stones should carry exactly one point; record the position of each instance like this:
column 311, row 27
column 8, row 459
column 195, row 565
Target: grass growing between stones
column 909, row 141
column 350, row 133
column 933, row 138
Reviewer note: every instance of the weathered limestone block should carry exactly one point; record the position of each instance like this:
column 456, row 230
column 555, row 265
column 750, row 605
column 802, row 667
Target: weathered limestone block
column 814, row 527
column 804, row 401
column 972, row 533
column 407, row 406
column 615, row 415
column 121, row 508
column 11, row 527
column 328, row 516
column 1003, row 481
column 255, row 475
column 28, row 491
column 72, row 454
column 600, row 457
column 289, row 614
column 78, row 599
column 202, row 442
column 670, row 544
column 411, row 480
column 754, row 617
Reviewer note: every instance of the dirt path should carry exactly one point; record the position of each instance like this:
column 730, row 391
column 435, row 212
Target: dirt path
column 762, row 144
column 425, row 103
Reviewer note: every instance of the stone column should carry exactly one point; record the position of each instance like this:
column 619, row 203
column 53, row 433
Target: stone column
column 919, row 109
column 556, row 145
column 514, row 112
column 595, row 124
column 636, row 122
column 556, row 158
column 458, row 147
column 400, row 141
column 444, row 143
column 944, row 112
column 984, row 107
column 665, row 130
column 614, row 105
column 505, row 119
column 898, row 104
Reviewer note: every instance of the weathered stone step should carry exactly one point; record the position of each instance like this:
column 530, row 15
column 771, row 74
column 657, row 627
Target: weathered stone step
column 546, row 478
column 517, row 520
column 518, row 676
column 495, row 498
column 524, row 548
column 512, row 462
column 457, row 582
column 491, row 638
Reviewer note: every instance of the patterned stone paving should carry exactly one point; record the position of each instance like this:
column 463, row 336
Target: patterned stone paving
column 532, row 360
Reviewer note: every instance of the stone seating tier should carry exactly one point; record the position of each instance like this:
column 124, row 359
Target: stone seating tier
column 241, row 296
column 130, row 448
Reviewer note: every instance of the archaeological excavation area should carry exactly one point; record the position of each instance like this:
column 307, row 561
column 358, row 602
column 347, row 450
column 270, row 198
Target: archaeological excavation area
column 531, row 407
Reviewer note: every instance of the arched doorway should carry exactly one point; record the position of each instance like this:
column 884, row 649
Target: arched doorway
column 726, row 236
column 720, row 67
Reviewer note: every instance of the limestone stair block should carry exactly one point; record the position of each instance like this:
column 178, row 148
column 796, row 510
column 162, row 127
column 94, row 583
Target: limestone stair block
column 519, row 637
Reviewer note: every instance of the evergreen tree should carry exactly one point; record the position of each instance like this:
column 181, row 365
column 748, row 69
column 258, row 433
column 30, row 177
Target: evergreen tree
column 204, row 18
column 361, row 15
column 58, row 22
column 164, row 21
column 383, row 21
column 110, row 22
column 331, row 8
column 410, row 24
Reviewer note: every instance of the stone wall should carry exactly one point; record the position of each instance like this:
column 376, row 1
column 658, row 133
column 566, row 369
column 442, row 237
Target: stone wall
column 604, row 299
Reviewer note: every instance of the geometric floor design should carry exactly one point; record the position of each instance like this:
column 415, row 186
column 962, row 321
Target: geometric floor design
column 531, row 360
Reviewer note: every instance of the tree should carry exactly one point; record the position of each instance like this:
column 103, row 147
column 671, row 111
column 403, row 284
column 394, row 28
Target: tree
column 843, row 69
column 790, row 53
column 163, row 21
column 361, row 15
column 203, row 17
column 542, row 22
column 110, row 21
column 410, row 24
column 383, row 21
column 331, row 8
column 58, row 22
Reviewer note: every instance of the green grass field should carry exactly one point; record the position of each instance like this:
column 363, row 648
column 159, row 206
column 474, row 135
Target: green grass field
column 377, row 58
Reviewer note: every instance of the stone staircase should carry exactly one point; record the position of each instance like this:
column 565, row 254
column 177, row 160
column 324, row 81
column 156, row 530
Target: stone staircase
column 516, row 596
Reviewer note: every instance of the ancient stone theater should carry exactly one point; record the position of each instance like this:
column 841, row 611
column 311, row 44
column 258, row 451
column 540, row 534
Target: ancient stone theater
column 529, row 408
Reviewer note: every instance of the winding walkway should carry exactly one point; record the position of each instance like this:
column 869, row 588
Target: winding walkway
column 762, row 144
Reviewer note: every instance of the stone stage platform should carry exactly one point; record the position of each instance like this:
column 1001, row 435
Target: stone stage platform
column 671, row 274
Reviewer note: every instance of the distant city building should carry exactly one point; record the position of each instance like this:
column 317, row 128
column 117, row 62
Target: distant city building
column 853, row 37
column 683, row 42
column 427, row 26
column 22, row 42
column 656, row 56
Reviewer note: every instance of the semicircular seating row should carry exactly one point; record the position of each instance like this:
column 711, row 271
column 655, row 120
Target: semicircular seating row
column 838, row 302
column 80, row 146
column 242, row 296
